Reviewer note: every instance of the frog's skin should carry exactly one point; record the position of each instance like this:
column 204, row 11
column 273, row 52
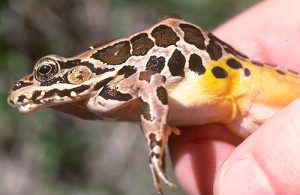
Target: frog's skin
column 172, row 74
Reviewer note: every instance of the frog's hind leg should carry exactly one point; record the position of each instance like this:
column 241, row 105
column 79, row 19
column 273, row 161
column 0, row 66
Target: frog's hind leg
column 154, row 110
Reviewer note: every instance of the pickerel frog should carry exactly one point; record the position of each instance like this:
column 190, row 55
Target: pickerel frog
column 172, row 74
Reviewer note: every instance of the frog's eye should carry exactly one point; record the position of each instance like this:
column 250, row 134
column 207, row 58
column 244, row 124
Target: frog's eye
column 46, row 69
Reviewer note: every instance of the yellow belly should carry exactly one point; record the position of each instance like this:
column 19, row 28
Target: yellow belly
column 241, row 102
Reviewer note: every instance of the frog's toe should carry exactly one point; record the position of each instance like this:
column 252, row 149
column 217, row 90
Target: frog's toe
column 158, row 173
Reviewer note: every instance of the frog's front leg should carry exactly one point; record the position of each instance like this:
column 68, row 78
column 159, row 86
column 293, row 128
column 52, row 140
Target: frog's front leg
column 115, row 99
column 154, row 111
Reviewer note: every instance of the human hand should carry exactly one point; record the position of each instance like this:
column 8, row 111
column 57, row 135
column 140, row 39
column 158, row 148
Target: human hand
column 209, row 159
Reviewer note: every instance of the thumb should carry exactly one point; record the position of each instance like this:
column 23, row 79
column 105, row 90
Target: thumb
column 268, row 162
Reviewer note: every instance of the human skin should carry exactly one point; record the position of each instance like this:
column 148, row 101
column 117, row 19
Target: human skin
column 209, row 159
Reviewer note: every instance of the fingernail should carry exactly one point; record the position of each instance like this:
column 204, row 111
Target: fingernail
column 242, row 177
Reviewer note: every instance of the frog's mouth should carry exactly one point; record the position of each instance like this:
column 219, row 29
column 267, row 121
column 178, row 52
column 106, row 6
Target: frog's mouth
column 31, row 98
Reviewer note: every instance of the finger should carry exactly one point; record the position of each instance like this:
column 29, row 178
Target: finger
column 251, row 36
column 268, row 162
column 198, row 153
column 268, row 32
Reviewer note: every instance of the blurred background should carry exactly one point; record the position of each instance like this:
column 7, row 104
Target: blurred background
column 50, row 153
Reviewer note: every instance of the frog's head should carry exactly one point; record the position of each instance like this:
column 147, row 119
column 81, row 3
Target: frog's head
column 54, row 81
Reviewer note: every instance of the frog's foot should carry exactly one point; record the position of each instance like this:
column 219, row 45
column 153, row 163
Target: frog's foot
column 158, row 174
column 156, row 180
column 156, row 144
column 156, row 169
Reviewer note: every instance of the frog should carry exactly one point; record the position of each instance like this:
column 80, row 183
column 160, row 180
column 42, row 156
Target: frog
column 172, row 74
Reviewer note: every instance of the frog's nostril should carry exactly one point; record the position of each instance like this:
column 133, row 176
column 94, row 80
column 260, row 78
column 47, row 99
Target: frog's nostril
column 16, row 86
column 20, row 84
